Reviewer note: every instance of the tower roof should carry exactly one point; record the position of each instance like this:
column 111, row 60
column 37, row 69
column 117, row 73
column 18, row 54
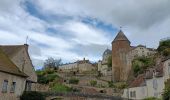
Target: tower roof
column 120, row 37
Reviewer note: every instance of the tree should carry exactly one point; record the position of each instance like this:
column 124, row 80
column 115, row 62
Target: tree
column 164, row 47
column 52, row 63
column 109, row 64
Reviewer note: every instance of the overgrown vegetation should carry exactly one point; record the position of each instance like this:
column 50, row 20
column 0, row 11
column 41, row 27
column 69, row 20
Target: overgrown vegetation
column 73, row 81
column 141, row 63
column 60, row 88
column 151, row 98
column 109, row 64
column 110, row 84
column 93, row 83
column 120, row 85
column 46, row 76
column 32, row 95
column 166, row 94
column 164, row 47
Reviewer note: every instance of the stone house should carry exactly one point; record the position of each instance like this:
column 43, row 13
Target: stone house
column 123, row 54
column 153, row 82
column 19, row 55
column 103, row 65
column 78, row 66
column 12, row 80
column 137, row 89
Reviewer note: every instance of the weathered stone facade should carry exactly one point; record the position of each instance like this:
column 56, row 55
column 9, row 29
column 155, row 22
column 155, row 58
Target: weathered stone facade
column 19, row 55
column 19, row 88
column 120, row 48
column 78, row 66
column 123, row 54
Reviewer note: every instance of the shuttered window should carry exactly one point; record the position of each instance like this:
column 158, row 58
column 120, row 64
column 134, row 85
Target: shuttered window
column 5, row 86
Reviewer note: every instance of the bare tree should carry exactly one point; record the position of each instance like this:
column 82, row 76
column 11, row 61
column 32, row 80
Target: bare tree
column 52, row 63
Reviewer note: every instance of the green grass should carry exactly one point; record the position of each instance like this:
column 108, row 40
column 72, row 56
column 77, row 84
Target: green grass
column 60, row 88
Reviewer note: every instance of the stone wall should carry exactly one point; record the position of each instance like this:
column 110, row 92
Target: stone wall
column 120, row 68
column 23, row 62
column 20, row 86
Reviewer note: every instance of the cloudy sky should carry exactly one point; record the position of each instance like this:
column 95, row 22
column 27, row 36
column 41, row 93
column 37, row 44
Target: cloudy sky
column 73, row 29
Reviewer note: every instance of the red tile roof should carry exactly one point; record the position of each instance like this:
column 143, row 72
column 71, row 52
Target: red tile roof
column 139, row 81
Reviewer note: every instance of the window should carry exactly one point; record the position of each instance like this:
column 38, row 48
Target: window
column 5, row 86
column 28, row 87
column 132, row 94
column 155, row 85
column 13, row 85
column 169, row 70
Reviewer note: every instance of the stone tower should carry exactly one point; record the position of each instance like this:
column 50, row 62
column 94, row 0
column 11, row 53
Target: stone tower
column 120, row 48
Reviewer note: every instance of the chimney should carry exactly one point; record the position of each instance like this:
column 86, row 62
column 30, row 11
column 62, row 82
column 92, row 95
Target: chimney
column 26, row 46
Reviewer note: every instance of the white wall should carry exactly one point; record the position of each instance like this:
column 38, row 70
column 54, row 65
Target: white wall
column 155, row 91
column 140, row 93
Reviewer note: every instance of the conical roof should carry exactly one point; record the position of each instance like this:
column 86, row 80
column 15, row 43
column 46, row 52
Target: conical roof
column 120, row 37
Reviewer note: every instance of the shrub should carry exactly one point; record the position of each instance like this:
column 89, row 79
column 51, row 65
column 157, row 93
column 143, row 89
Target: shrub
column 93, row 83
column 61, row 88
column 141, row 63
column 151, row 98
column 166, row 94
column 110, row 83
column 32, row 95
column 73, row 81
column 45, row 79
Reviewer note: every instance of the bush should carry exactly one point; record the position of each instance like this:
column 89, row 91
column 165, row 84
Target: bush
column 32, row 95
column 151, row 98
column 141, row 63
column 45, row 79
column 166, row 94
column 93, row 83
column 73, row 81
column 61, row 88
column 111, row 85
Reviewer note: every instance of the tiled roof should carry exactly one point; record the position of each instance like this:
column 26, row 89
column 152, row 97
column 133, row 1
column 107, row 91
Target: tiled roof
column 11, row 50
column 121, row 37
column 7, row 66
column 139, row 81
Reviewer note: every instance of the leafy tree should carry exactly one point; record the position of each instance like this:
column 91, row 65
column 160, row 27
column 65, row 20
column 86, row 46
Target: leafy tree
column 141, row 63
column 164, row 47
column 52, row 63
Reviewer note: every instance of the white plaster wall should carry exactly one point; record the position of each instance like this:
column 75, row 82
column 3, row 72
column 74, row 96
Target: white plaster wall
column 155, row 92
column 141, row 93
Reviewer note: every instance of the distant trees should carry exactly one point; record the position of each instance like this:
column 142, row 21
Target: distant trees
column 164, row 47
column 52, row 63
column 109, row 64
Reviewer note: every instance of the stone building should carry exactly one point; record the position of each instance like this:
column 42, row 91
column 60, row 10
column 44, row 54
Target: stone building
column 12, row 80
column 123, row 54
column 78, row 66
column 120, row 48
column 103, row 65
column 151, row 83
column 19, row 55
